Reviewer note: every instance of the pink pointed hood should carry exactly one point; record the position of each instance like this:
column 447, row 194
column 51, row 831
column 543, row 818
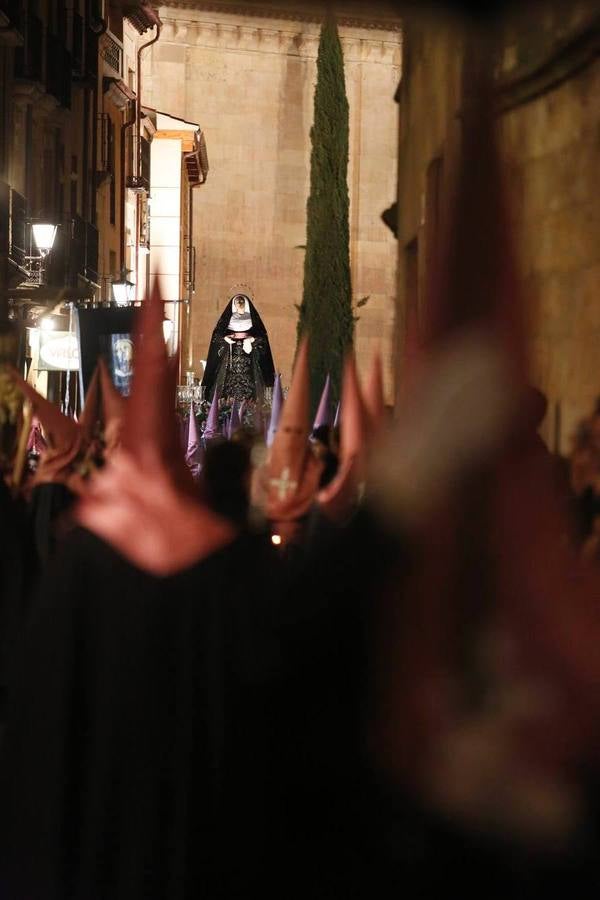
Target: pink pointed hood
column 491, row 557
column 144, row 503
column 114, row 406
column 293, row 470
column 150, row 428
column 91, row 413
column 63, row 435
column 340, row 497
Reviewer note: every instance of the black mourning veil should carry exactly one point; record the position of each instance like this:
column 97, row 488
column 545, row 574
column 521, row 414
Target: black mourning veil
column 258, row 330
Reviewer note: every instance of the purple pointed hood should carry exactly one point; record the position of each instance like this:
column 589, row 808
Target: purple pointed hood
column 193, row 438
column 235, row 421
column 323, row 416
column 276, row 407
column 211, row 428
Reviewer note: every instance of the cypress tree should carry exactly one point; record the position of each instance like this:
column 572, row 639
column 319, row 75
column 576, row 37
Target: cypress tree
column 326, row 310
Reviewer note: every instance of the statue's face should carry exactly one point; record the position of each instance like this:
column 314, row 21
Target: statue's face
column 240, row 304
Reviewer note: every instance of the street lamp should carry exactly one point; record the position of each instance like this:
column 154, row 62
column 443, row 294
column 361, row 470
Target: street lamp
column 44, row 235
column 123, row 290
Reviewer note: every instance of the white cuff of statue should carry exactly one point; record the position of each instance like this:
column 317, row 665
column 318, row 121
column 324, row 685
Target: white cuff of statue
column 458, row 414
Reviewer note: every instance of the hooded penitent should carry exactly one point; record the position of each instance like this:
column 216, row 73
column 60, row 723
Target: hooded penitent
column 152, row 449
column 340, row 498
column 491, row 619
column 36, row 442
column 212, row 429
column 137, row 755
column 64, row 437
column 150, row 428
column 113, row 409
column 293, row 470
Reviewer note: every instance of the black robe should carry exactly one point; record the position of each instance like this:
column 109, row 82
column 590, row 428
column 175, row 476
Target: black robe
column 192, row 736
column 363, row 834
column 15, row 582
column 204, row 735
column 48, row 510
column 137, row 759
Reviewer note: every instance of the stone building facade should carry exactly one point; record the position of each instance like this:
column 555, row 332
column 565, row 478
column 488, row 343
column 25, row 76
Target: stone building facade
column 247, row 77
column 548, row 77
column 68, row 86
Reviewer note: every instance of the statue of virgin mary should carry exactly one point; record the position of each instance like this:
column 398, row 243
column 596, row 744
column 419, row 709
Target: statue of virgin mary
column 239, row 364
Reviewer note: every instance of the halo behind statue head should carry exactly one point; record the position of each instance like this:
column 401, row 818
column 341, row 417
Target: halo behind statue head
column 244, row 289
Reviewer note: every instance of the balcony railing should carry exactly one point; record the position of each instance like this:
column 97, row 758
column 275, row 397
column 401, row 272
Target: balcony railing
column 29, row 59
column 112, row 54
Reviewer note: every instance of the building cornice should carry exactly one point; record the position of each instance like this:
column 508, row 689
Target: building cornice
column 218, row 33
column 286, row 13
